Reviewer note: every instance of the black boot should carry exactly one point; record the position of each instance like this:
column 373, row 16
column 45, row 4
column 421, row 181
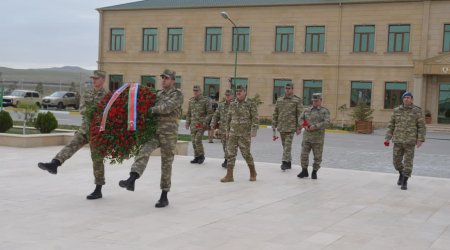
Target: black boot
column 195, row 160
column 51, row 167
column 314, row 174
column 97, row 194
column 404, row 183
column 224, row 164
column 304, row 173
column 400, row 178
column 163, row 201
column 129, row 183
column 201, row 159
column 289, row 165
column 284, row 165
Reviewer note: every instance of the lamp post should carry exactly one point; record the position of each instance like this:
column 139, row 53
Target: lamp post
column 227, row 17
column 1, row 93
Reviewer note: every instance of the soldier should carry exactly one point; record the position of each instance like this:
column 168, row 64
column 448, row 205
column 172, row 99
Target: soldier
column 240, row 127
column 407, row 130
column 197, row 119
column 315, row 119
column 219, row 119
column 91, row 99
column 285, row 119
column 167, row 110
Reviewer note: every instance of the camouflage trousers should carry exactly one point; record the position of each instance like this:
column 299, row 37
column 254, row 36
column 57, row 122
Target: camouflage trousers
column 243, row 143
column 286, row 141
column 403, row 158
column 223, row 139
column 79, row 140
column 197, row 136
column 317, row 149
column 167, row 143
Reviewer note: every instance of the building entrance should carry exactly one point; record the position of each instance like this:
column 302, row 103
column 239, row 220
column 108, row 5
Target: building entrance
column 444, row 103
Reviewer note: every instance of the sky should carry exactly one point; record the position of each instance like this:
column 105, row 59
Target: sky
column 50, row 33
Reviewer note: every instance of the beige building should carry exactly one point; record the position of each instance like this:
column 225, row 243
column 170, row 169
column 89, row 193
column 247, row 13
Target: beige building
column 350, row 50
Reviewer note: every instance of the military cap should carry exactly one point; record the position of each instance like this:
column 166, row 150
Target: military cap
column 228, row 92
column 98, row 74
column 289, row 85
column 317, row 96
column 407, row 93
column 196, row 88
column 169, row 73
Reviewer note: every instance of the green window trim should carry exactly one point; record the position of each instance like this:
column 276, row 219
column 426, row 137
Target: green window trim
column 211, row 87
column 315, row 39
column 174, row 39
column 239, row 81
column 150, row 39
column 213, row 39
column 284, row 39
column 115, row 81
column 446, row 42
column 398, row 38
column 393, row 94
column 310, row 87
column 178, row 81
column 361, row 91
column 278, row 88
column 364, row 38
column 149, row 81
column 241, row 39
column 117, row 42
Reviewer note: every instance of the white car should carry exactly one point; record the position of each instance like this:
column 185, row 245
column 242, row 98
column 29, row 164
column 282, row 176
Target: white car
column 18, row 96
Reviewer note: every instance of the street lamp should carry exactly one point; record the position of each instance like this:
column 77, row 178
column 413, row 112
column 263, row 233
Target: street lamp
column 227, row 17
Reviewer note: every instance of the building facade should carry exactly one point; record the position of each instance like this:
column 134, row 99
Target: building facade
column 352, row 51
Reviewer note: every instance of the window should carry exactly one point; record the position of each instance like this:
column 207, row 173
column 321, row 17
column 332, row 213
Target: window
column 241, row 39
column 115, row 81
column 446, row 47
column 213, row 39
column 315, row 39
column 278, row 88
column 150, row 39
column 284, row 39
column 117, row 39
column 149, row 81
column 364, row 38
column 398, row 40
column 361, row 93
column 310, row 87
column 174, row 39
column 211, row 87
column 238, row 81
column 393, row 94
column 178, row 82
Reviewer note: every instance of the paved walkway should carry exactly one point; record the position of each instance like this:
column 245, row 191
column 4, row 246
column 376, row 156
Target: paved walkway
column 343, row 209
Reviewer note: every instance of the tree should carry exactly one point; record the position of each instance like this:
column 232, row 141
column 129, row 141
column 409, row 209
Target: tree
column 40, row 88
column 29, row 110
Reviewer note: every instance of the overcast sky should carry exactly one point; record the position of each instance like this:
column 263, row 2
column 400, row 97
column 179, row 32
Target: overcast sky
column 50, row 33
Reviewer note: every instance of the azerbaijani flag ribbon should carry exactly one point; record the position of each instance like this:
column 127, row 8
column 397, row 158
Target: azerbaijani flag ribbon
column 132, row 104
column 110, row 103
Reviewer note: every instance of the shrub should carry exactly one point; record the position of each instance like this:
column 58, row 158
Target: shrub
column 362, row 112
column 46, row 122
column 6, row 121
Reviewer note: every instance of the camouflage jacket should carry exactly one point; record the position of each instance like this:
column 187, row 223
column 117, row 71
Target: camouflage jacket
column 167, row 109
column 407, row 125
column 199, row 112
column 286, row 114
column 318, row 116
column 220, row 116
column 242, row 118
column 91, row 99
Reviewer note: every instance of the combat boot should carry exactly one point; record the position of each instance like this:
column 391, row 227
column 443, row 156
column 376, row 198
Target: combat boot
column 304, row 173
column 284, row 165
column 229, row 176
column 289, row 165
column 201, row 159
column 195, row 160
column 252, row 172
column 314, row 174
column 400, row 178
column 224, row 164
column 163, row 201
column 51, row 167
column 97, row 194
column 404, row 183
column 129, row 183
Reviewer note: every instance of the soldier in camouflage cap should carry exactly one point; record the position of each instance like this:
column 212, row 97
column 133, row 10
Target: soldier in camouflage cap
column 288, row 109
column 219, row 119
column 407, row 130
column 240, row 127
column 315, row 120
column 198, row 116
column 167, row 110
column 90, row 99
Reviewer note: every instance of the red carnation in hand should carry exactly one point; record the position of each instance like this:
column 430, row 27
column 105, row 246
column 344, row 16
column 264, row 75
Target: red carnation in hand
column 305, row 123
column 274, row 138
column 386, row 143
column 198, row 125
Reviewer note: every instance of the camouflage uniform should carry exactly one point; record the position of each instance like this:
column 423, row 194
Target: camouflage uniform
column 242, row 120
column 285, row 119
column 313, row 140
column 167, row 110
column 406, row 127
column 91, row 98
column 219, row 119
column 197, row 118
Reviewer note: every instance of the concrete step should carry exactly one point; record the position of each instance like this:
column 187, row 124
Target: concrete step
column 442, row 128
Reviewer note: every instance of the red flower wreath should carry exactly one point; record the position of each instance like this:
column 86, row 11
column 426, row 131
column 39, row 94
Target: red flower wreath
column 116, row 143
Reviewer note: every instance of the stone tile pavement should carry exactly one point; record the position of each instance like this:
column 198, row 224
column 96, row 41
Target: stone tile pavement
column 343, row 209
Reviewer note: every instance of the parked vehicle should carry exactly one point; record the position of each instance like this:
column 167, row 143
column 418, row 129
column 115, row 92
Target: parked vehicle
column 61, row 100
column 18, row 96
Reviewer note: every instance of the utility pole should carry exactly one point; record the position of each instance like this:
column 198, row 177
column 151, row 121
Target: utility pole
column 1, row 92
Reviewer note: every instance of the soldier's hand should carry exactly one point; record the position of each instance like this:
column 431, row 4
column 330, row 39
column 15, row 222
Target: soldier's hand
column 298, row 131
column 312, row 127
column 419, row 143
column 274, row 129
